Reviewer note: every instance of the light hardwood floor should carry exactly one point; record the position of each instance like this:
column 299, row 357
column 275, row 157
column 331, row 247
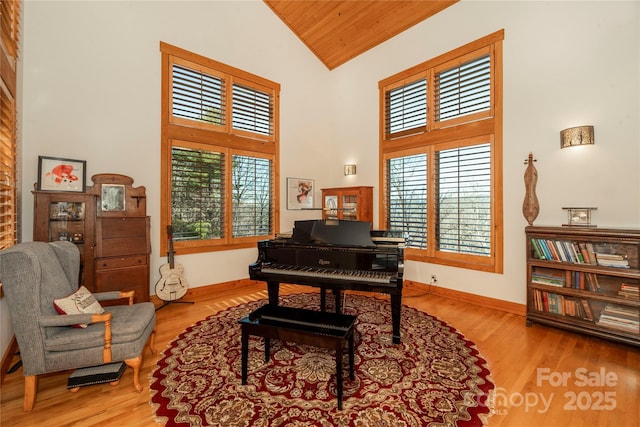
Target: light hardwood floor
column 601, row 386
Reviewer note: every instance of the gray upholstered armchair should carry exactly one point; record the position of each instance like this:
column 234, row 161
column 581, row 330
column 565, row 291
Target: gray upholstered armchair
column 33, row 274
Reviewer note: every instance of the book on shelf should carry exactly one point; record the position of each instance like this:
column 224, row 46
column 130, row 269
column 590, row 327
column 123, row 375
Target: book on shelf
column 629, row 291
column 545, row 249
column 620, row 317
column 562, row 305
column 612, row 260
column 578, row 253
column 588, row 256
column 591, row 281
column 552, row 249
column 591, row 253
column 586, row 306
column 550, row 277
column 563, row 250
column 537, row 249
column 622, row 311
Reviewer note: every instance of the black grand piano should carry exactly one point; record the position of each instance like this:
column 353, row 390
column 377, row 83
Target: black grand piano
column 334, row 255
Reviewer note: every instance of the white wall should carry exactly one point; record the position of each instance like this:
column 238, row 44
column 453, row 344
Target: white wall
column 91, row 90
column 565, row 64
column 91, row 73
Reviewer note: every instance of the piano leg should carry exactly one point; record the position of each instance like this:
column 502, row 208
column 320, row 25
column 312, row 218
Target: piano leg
column 396, row 304
column 337, row 299
column 337, row 295
column 273, row 288
column 245, row 355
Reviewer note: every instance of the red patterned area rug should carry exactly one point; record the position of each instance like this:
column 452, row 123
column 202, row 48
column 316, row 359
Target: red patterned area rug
column 435, row 377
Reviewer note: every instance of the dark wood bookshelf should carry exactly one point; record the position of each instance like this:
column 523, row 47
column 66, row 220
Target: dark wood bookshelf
column 585, row 280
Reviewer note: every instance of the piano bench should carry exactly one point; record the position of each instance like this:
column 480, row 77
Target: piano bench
column 301, row 326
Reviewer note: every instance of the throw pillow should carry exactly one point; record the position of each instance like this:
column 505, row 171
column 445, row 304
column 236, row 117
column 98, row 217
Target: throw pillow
column 80, row 302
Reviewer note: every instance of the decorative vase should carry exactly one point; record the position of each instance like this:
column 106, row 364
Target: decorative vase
column 530, row 206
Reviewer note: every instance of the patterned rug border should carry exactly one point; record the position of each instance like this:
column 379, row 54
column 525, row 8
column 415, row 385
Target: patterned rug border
column 480, row 403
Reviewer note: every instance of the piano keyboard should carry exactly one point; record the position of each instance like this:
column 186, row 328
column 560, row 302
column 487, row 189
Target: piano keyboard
column 329, row 273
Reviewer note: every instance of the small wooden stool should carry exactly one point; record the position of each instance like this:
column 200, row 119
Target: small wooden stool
column 310, row 327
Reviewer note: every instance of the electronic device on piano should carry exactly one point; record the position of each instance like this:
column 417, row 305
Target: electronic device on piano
column 335, row 255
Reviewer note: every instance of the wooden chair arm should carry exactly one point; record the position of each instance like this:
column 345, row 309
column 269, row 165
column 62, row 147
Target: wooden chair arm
column 106, row 319
column 128, row 294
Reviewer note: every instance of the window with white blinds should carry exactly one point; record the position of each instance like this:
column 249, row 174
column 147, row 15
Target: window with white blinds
column 463, row 89
column 407, row 190
column 9, row 26
column 197, row 182
column 252, row 110
column 197, row 95
column 406, row 108
column 464, row 200
column 441, row 141
column 252, row 180
column 220, row 148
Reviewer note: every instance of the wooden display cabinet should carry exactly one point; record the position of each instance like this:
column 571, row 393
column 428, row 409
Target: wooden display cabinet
column 585, row 280
column 68, row 216
column 108, row 223
column 122, row 236
column 348, row 203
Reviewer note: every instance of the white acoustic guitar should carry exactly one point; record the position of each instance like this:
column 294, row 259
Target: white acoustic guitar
column 172, row 284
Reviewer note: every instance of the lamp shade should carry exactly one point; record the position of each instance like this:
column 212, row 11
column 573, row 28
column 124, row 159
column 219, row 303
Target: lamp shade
column 580, row 135
column 349, row 169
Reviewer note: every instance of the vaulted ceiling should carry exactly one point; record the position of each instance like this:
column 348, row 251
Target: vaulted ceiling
column 337, row 31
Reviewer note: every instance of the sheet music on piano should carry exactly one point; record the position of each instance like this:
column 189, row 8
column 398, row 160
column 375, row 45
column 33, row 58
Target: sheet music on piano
column 334, row 255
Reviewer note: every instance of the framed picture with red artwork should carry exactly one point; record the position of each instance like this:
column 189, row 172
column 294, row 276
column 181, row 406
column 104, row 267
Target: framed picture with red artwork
column 59, row 174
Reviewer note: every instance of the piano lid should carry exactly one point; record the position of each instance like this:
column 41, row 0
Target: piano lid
column 332, row 233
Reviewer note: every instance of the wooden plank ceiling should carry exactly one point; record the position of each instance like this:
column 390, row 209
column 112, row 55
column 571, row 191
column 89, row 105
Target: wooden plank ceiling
column 337, row 31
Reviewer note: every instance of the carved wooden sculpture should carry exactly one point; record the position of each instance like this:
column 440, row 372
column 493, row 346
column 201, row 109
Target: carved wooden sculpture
column 530, row 207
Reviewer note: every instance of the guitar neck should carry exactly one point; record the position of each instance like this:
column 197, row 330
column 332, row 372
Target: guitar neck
column 170, row 253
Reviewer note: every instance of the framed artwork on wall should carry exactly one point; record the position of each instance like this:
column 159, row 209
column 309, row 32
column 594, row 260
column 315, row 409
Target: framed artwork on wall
column 59, row 174
column 299, row 193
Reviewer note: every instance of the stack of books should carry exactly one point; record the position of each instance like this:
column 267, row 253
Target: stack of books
column 612, row 260
column 619, row 317
column 548, row 277
column 629, row 291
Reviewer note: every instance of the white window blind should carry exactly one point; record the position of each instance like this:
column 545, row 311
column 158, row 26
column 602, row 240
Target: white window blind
column 197, row 96
column 464, row 195
column 406, row 108
column 252, row 110
column 407, row 203
column 464, row 89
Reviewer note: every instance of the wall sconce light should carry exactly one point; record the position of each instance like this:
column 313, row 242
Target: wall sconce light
column 349, row 169
column 581, row 135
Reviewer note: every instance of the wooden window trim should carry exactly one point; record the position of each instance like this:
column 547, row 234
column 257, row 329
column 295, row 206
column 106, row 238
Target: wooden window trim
column 189, row 133
column 455, row 133
column 9, row 43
